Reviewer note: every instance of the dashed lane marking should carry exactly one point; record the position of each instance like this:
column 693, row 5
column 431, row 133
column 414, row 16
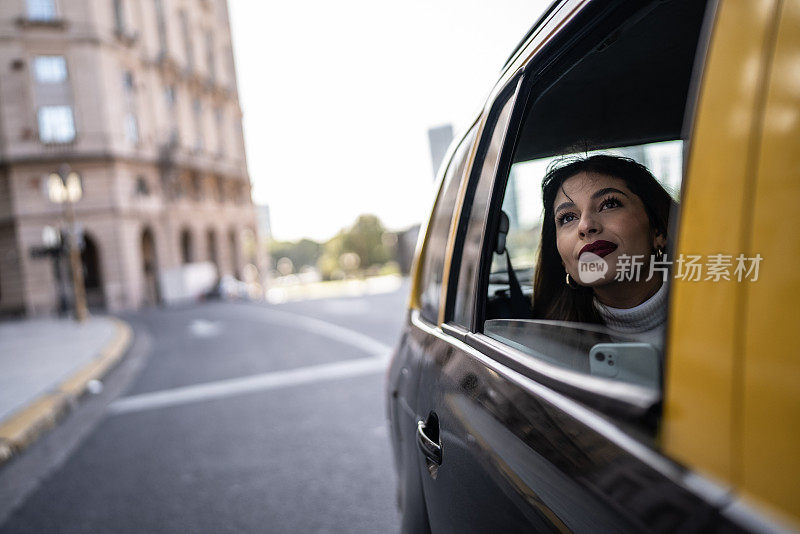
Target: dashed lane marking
column 204, row 328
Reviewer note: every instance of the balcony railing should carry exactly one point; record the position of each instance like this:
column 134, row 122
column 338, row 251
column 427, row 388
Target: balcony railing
column 55, row 22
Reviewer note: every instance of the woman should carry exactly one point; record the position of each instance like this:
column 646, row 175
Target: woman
column 603, row 210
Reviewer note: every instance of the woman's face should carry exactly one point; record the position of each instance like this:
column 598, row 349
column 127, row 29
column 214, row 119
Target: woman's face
column 598, row 213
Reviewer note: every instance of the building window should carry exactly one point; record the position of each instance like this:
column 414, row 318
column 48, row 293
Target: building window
column 162, row 26
column 187, row 40
column 234, row 252
column 220, row 135
column 210, row 56
column 142, row 189
column 211, row 237
column 56, row 124
column 41, row 9
column 127, row 81
column 198, row 125
column 221, row 189
column 131, row 128
column 169, row 96
column 50, row 69
column 131, row 123
column 197, row 187
column 186, row 247
column 119, row 16
column 231, row 67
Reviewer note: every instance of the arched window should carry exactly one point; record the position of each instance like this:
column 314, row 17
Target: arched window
column 150, row 267
column 211, row 238
column 186, row 246
column 234, row 248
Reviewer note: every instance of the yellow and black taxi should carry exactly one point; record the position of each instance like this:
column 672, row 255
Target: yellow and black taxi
column 504, row 419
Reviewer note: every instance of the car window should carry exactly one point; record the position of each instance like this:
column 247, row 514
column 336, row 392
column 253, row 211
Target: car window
column 522, row 202
column 435, row 247
column 620, row 95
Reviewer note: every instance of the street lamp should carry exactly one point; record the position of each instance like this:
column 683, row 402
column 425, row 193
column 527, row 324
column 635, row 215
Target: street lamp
column 64, row 187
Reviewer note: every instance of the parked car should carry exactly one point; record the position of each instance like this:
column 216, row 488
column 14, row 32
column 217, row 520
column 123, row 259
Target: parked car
column 503, row 423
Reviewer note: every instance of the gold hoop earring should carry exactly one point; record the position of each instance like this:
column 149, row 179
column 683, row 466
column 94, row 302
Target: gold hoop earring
column 570, row 285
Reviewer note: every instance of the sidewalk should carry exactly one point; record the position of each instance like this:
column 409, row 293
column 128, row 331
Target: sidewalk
column 45, row 365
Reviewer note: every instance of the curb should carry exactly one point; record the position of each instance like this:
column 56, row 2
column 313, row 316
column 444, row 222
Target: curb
column 24, row 427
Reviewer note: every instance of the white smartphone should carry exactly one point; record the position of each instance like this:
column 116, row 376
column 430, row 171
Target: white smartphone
column 636, row 363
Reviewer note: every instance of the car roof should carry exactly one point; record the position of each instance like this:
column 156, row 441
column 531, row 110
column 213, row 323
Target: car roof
column 530, row 32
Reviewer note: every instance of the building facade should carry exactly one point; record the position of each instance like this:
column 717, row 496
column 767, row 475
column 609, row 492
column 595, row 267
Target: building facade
column 138, row 97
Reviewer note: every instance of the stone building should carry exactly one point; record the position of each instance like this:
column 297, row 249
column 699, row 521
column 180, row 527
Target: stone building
column 138, row 97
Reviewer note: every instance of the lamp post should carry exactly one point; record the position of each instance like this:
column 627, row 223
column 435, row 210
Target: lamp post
column 53, row 248
column 64, row 187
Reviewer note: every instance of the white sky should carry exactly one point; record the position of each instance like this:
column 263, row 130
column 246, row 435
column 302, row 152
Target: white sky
column 338, row 98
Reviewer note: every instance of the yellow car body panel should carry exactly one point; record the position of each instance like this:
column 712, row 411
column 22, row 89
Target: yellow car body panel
column 770, row 394
column 704, row 343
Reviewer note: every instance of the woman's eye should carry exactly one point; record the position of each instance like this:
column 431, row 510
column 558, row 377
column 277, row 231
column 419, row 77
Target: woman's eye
column 567, row 217
column 610, row 203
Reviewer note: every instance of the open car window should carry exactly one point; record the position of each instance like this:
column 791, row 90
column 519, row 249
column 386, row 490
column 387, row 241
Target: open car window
column 522, row 205
column 622, row 90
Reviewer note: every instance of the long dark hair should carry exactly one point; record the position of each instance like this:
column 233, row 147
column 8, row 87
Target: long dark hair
column 552, row 299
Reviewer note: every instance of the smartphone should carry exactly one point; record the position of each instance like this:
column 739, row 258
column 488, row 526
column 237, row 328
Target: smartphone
column 636, row 363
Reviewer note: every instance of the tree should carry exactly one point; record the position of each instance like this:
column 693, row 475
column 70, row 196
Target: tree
column 364, row 244
column 365, row 238
column 302, row 253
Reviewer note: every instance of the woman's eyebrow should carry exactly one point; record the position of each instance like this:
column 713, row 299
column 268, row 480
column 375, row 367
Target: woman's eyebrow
column 564, row 205
column 597, row 194
column 605, row 191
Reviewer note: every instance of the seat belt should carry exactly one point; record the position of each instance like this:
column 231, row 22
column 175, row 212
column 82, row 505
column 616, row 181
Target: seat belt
column 519, row 304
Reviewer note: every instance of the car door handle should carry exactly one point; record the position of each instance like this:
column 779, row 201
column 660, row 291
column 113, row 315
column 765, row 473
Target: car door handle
column 431, row 448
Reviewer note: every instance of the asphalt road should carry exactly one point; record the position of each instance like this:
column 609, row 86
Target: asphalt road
column 227, row 417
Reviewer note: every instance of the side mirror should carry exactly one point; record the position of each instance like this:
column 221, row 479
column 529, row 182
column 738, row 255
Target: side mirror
column 502, row 232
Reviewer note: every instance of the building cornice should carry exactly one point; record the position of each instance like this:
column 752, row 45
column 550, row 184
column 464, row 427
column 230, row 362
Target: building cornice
column 181, row 163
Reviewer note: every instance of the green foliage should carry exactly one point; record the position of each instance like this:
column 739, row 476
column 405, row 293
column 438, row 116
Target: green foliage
column 365, row 238
column 363, row 247
column 303, row 252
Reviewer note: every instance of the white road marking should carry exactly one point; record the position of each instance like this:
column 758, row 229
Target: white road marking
column 204, row 328
column 248, row 384
column 351, row 306
column 273, row 380
column 329, row 330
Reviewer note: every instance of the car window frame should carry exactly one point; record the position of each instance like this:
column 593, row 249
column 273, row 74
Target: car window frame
column 619, row 399
column 426, row 233
column 507, row 93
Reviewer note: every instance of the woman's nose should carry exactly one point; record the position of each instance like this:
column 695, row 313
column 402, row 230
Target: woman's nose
column 588, row 225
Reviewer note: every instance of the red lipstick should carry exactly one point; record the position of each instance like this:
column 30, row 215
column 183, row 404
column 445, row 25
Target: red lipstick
column 600, row 247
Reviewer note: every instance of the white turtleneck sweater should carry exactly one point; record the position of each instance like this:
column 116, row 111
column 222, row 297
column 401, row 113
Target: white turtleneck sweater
column 645, row 322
